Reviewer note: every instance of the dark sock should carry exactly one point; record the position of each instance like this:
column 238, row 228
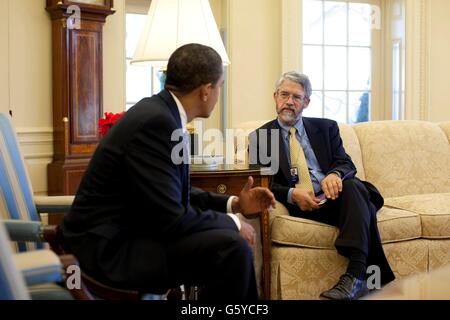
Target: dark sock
column 357, row 266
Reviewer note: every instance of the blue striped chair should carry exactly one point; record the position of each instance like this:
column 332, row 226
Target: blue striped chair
column 16, row 195
column 19, row 210
column 32, row 274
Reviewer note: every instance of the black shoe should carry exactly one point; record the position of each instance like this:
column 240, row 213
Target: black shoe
column 347, row 288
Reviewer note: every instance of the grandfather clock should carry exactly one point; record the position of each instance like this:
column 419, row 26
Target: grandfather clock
column 77, row 88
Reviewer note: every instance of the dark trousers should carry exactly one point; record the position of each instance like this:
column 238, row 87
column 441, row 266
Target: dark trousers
column 219, row 260
column 355, row 216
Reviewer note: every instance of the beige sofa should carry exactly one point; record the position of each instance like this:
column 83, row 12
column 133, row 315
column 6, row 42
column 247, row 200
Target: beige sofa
column 409, row 161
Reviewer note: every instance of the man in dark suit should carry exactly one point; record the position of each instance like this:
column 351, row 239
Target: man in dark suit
column 351, row 204
column 136, row 223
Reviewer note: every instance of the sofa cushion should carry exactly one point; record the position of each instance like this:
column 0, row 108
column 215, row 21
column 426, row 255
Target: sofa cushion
column 434, row 211
column 395, row 225
column 405, row 157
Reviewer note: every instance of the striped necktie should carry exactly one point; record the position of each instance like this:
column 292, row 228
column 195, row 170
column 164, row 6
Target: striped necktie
column 298, row 160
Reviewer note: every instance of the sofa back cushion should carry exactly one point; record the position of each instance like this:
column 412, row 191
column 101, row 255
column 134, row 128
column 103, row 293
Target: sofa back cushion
column 445, row 126
column 405, row 157
column 351, row 146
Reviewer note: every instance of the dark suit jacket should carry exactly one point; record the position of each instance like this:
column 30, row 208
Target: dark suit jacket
column 132, row 188
column 327, row 144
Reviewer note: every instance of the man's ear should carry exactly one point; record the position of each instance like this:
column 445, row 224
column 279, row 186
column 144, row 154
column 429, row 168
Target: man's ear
column 306, row 104
column 275, row 96
column 205, row 90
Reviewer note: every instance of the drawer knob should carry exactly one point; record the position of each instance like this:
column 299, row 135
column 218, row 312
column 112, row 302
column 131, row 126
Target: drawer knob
column 221, row 188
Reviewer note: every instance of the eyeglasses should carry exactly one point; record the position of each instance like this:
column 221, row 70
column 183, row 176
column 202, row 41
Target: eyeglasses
column 286, row 95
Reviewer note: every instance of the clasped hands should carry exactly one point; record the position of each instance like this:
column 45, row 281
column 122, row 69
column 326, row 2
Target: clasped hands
column 252, row 200
column 307, row 201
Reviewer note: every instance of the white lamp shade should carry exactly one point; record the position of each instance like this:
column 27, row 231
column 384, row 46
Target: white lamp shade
column 171, row 24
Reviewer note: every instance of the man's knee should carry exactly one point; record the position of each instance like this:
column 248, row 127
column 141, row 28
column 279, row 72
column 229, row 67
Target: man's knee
column 354, row 185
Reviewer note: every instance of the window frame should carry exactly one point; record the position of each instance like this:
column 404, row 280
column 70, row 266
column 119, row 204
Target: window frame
column 292, row 51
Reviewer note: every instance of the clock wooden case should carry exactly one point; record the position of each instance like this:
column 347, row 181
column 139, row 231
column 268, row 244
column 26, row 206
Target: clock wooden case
column 77, row 88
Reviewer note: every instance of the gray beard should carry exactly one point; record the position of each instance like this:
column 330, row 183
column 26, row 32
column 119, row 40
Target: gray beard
column 288, row 118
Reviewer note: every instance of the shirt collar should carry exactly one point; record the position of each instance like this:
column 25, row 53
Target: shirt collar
column 183, row 115
column 299, row 126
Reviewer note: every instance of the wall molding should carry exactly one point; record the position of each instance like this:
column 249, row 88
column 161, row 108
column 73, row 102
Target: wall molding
column 37, row 148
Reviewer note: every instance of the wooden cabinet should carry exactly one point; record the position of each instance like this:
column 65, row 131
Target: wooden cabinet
column 77, row 31
column 229, row 179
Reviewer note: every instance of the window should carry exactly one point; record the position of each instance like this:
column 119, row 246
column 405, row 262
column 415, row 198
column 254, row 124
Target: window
column 142, row 81
column 338, row 56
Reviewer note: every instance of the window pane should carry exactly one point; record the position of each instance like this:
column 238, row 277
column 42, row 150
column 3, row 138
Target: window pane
column 315, row 106
column 157, row 77
column 139, row 82
column 359, row 76
column 359, row 107
column 336, row 106
column 313, row 64
column 360, row 22
column 335, row 23
column 134, row 26
column 335, row 68
column 312, row 22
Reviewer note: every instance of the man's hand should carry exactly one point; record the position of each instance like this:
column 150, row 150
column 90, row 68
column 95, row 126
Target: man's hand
column 305, row 200
column 248, row 233
column 252, row 200
column 331, row 186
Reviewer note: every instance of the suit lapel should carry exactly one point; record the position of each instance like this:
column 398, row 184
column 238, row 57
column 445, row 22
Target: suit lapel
column 317, row 139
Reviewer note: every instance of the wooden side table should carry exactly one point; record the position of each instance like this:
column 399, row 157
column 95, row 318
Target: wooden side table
column 229, row 179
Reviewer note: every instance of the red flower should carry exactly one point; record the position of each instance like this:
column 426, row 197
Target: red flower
column 105, row 124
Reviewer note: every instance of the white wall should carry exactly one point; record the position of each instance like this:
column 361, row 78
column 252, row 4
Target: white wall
column 255, row 52
column 114, row 60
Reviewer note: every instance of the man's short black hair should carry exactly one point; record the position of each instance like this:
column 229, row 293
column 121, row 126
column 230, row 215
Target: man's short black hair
column 191, row 66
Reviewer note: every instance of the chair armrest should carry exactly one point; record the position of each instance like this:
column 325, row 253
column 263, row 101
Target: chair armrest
column 39, row 266
column 34, row 231
column 26, row 231
column 53, row 204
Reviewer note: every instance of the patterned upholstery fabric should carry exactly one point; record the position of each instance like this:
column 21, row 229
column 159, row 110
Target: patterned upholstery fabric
column 434, row 210
column 409, row 161
column 16, row 195
column 405, row 157
column 445, row 126
column 439, row 253
column 351, row 145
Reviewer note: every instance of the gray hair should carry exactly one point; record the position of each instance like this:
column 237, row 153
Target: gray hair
column 301, row 79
